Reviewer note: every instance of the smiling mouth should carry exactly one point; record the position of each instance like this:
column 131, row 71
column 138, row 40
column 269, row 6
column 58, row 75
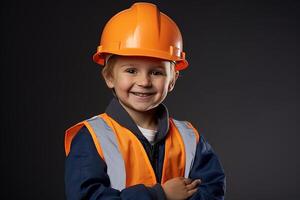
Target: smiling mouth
column 142, row 94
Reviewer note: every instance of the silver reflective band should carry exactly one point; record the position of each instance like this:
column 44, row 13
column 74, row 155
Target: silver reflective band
column 190, row 144
column 112, row 155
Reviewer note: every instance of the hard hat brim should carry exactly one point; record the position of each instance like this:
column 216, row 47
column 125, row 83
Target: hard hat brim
column 99, row 57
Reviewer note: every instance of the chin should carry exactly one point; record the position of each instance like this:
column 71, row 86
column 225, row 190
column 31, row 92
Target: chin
column 140, row 106
column 142, row 109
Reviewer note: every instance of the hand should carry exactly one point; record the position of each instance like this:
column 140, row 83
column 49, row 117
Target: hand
column 180, row 188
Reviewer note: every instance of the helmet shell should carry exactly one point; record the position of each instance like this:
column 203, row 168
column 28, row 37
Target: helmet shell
column 142, row 30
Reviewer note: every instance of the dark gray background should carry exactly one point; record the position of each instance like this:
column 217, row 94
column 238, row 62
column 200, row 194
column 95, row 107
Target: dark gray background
column 241, row 87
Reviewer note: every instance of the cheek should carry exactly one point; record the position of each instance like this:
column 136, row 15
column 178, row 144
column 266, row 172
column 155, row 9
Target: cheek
column 162, row 84
column 122, row 83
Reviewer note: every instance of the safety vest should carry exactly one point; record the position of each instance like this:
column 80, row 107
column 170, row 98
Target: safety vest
column 126, row 159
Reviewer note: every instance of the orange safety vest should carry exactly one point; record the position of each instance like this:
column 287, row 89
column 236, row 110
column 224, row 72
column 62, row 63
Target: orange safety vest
column 127, row 161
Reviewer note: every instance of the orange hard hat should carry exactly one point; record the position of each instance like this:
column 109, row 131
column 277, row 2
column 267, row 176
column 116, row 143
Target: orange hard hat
column 142, row 30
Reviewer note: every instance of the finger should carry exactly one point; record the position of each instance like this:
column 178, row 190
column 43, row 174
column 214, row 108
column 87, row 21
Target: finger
column 187, row 181
column 194, row 184
column 191, row 192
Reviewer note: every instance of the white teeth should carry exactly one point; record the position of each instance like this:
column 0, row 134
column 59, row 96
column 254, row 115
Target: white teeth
column 141, row 94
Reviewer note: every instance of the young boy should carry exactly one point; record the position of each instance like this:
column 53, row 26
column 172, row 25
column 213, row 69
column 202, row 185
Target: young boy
column 135, row 150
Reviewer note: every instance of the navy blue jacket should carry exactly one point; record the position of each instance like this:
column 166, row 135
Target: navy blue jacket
column 85, row 170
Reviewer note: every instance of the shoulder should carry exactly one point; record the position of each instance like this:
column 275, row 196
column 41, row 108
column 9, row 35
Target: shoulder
column 84, row 126
column 82, row 142
column 202, row 144
column 82, row 136
column 78, row 137
column 186, row 127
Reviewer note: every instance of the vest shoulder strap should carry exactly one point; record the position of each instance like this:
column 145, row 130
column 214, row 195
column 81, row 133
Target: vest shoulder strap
column 111, row 152
column 190, row 138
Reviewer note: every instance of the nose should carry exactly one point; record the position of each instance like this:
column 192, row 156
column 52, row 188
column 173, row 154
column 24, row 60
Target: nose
column 144, row 80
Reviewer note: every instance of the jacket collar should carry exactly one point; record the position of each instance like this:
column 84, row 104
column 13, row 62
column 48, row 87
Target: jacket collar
column 116, row 111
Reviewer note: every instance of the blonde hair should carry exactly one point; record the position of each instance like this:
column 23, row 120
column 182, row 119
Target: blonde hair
column 110, row 61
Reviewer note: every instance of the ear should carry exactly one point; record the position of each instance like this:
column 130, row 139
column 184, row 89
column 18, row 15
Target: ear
column 173, row 81
column 108, row 80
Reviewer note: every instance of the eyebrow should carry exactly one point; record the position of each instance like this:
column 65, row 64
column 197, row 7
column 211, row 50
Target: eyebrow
column 159, row 66
column 127, row 65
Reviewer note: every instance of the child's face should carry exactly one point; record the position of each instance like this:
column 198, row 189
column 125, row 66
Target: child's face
column 141, row 83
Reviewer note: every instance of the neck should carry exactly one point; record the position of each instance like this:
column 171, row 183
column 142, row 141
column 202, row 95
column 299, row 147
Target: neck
column 145, row 119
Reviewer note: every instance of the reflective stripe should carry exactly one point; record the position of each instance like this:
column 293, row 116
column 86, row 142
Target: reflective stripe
column 112, row 154
column 190, row 144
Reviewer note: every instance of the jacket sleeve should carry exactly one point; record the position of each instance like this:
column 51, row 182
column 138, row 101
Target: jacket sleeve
column 208, row 168
column 86, row 177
